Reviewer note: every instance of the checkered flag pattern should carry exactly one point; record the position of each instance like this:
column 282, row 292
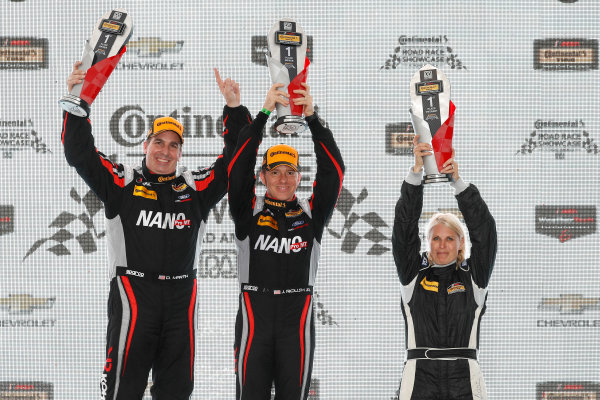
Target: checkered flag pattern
column 69, row 226
column 359, row 228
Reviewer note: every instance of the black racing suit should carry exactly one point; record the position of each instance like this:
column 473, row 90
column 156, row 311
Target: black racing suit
column 443, row 306
column 278, row 250
column 154, row 225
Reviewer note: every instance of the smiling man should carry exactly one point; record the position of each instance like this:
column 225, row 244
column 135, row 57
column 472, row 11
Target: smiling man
column 279, row 243
column 155, row 219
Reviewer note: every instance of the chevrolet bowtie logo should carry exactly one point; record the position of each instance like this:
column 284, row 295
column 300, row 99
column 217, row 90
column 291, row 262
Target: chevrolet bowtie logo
column 154, row 46
column 24, row 303
column 570, row 303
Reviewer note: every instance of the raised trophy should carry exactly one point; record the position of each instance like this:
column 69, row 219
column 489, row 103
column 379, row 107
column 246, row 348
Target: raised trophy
column 101, row 54
column 288, row 64
column 432, row 115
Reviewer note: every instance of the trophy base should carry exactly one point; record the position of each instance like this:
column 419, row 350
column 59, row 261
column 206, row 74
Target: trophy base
column 74, row 105
column 289, row 124
column 437, row 178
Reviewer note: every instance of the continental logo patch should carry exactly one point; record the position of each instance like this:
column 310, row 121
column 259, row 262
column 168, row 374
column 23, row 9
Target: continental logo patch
column 142, row 191
column 432, row 286
column 456, row 287
column 275, row 203
column 265, row 220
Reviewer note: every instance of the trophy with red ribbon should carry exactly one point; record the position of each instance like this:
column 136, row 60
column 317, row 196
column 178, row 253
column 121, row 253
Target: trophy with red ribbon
column 432, row 115
column 288, row 64
column 101, row 54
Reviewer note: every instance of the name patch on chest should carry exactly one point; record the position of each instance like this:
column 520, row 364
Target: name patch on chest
column 280, row 245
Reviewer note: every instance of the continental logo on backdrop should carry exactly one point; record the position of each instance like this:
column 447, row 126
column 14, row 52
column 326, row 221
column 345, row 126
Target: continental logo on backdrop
column 152, row 48
column 23, row 52
column 25, row 390
column 565, row 54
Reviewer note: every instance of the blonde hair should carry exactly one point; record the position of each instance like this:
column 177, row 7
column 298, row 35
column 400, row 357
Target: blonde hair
column 451, row 221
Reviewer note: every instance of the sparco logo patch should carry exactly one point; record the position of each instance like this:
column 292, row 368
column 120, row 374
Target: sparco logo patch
column 161, row 220
column 279, row 245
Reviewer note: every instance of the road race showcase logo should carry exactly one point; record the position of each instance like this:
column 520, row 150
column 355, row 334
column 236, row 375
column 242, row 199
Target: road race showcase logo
column 149, row 52
column 560, row 138
column 260, row 50
column 565, row 222
column 399, row 138
column 23, row 53
column 73, row 230
column 26, row 390
column 18, row 135
column 565, row 54
column 569, row 305
column 568, row 390
column 415, row 51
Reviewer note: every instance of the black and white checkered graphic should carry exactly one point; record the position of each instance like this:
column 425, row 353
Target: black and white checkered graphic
column 358, row 227
column 73, row 226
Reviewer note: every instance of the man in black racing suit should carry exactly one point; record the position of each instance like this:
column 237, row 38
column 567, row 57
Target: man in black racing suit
column 279, row 238
column 442, row 302
column 155, row 220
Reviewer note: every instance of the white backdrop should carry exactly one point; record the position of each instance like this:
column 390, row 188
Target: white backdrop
column 526, row 134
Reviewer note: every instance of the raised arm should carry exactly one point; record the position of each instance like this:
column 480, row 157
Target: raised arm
column 105, row 178
column 406, row 244
column 241, row 166
column 330, row 165
column 482, row 232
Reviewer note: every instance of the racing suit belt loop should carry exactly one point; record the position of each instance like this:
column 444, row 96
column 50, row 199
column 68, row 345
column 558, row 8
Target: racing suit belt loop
column 276, row 292
column 442, row 354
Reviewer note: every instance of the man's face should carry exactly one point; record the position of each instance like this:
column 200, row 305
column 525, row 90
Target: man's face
column 163, row 151
column 444, row 244
column 281, row 182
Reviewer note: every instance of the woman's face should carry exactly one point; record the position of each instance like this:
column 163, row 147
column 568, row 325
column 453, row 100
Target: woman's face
column 444, row 244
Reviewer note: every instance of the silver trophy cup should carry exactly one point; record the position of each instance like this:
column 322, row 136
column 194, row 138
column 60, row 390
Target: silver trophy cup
column 286, row 57
column 432, row 115
column 101, row 53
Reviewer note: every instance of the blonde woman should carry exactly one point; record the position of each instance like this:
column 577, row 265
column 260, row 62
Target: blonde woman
column 443, row 293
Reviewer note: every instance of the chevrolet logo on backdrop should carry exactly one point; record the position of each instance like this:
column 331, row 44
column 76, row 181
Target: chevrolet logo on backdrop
column 146, row 54
column 154, row 46
column 569, row 303
column 25, row 303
